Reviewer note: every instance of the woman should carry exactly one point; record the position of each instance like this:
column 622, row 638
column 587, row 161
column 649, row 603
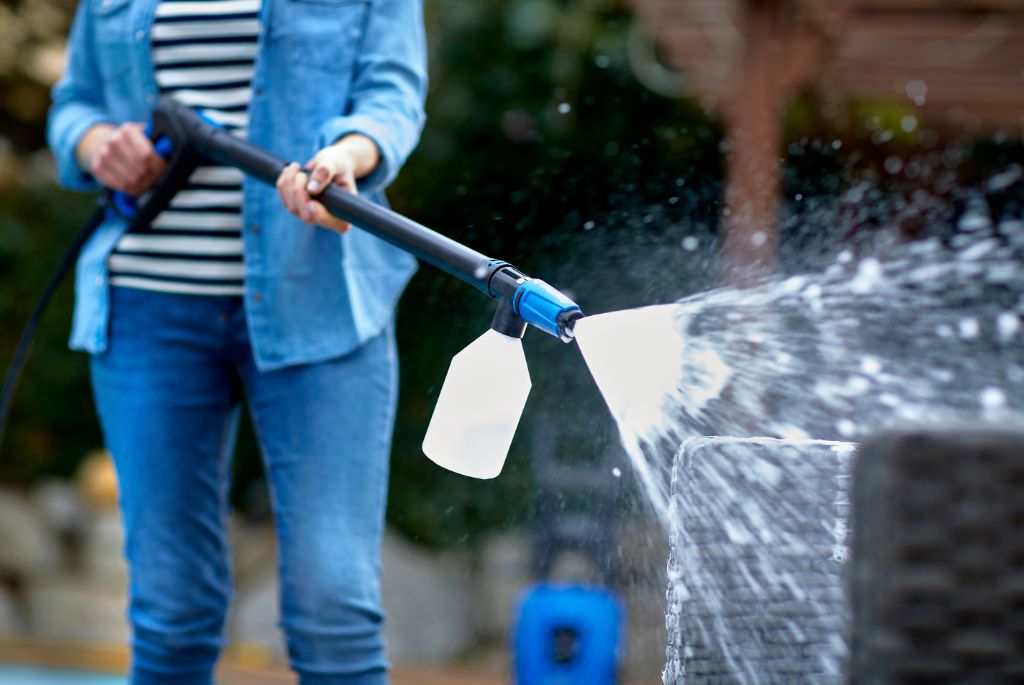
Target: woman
column 227, row 294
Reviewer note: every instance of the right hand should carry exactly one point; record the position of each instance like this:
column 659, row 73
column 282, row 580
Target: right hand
column 121, row 157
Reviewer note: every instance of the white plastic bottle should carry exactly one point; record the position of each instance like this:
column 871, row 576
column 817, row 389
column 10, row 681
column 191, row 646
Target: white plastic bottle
column 479, row 407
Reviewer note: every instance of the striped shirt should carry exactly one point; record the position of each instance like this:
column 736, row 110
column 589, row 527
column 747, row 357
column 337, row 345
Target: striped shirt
column 204, row 51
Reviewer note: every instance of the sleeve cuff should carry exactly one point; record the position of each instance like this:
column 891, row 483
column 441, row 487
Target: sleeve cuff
column 69, row 174
column 339, row 127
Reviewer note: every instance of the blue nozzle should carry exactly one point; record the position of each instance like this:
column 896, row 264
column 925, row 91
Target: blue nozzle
column 539, row 304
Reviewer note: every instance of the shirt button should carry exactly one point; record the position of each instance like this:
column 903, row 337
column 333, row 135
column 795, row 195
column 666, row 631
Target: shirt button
column 98, row 280
column 257, row 297
column 254, row 229
column 139, row 35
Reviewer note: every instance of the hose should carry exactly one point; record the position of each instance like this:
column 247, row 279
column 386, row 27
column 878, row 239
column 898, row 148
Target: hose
column 28, row 333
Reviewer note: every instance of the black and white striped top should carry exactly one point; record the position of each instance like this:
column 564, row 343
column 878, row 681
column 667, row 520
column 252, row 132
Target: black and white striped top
column 204, row 52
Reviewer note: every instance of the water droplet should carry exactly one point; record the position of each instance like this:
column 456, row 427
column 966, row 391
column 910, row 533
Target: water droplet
column 690, row 243
column 1008, row 324
column 917, row 91
column 588, row 225
column 799, row 197
column 845, row 257
column 888, row 399
column 908, row 123
column 870, row 366
column 846, row 428
column 969, row 328
column 858, row 385
column 616, row 471
column 564, row 108
column 992, row 398
column 602, row 61
column 793, row 284
column 759, row 238
column 974, row 219
column 869, row 273
column 836, row 144
column 893, row 165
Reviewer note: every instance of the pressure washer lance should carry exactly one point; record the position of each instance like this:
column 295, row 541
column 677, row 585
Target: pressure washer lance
column 465, row 435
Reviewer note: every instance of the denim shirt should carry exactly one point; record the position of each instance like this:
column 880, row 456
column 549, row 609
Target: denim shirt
column 324, row 68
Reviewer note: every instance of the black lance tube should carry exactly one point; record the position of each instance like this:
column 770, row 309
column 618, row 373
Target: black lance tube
column 492, row 277
column 182, row 135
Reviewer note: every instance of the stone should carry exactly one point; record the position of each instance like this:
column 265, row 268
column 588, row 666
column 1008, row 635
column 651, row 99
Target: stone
column 59, row 506
column 428, row 602
column 75, row 610
column 252, row 623
column 574, row 567
column 103, row 561
column 11, row 620
column 504, row 570
column 28, row 549
column 253, row 549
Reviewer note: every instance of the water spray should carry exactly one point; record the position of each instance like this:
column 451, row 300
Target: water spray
column 470, row 432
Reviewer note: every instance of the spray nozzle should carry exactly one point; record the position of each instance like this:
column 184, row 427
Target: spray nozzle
column 548, row 309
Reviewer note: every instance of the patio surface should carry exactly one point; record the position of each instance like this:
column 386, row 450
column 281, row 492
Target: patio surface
column 34, row 663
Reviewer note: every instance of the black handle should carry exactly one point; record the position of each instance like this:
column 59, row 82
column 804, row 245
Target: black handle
column 492, row 277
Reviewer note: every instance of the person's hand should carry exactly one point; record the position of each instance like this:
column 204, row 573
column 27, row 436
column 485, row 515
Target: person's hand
column 121, row 157
column 297, row 187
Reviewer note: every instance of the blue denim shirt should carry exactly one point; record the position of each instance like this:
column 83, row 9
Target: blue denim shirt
column 325, row 68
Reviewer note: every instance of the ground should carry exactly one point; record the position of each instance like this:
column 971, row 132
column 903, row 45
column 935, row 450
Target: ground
column 236, row 669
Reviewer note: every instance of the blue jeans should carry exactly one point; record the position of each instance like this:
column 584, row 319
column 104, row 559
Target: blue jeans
column 168, row 390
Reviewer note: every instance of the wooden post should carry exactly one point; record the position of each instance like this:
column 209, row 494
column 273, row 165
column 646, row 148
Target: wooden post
column 754, row 136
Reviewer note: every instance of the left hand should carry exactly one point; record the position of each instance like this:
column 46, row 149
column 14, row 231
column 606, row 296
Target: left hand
column 297, row 186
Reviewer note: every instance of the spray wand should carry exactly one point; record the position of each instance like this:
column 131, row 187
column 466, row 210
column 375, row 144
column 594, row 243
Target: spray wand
column 465, row 435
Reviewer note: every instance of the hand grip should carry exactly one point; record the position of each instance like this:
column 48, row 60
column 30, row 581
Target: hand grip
column 126, row 205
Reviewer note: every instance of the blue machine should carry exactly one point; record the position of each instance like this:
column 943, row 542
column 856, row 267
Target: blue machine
column 567, row 635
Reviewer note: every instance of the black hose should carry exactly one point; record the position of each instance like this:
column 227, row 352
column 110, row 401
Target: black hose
column 67, row 261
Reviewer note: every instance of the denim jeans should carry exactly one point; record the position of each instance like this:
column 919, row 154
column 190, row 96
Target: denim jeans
column 168, row 390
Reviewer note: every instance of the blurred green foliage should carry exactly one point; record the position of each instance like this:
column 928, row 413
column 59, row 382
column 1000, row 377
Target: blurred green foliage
column 32, row 34
column 52, row 423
